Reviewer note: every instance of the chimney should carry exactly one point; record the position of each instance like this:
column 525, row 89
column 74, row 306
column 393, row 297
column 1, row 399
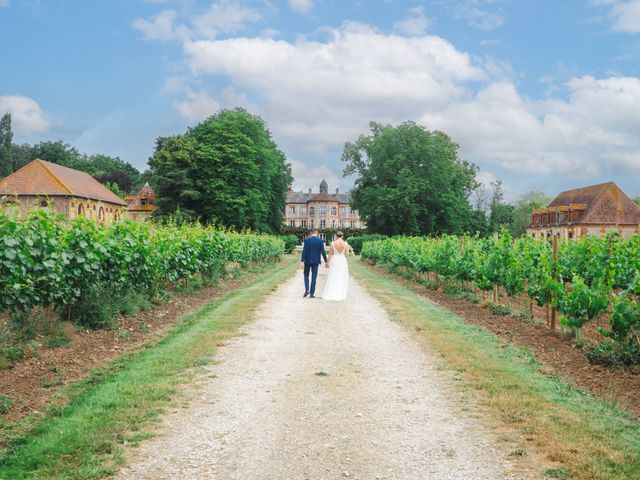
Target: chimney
column 309, row 189
column 337, row 191
column 290, row 191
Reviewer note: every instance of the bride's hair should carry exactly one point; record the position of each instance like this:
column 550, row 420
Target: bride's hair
column 339, row 234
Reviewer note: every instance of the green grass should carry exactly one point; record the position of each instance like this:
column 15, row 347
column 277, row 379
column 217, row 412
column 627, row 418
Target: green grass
column 84, row 438
column 579, row 436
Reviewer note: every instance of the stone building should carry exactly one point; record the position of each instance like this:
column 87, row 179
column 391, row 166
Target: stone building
column 69, row 192
column 595, row 210
column 142, row 205
column 321, row 210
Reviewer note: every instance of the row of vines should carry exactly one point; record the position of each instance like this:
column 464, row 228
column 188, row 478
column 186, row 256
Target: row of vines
column 48, row 262
column 585, row 280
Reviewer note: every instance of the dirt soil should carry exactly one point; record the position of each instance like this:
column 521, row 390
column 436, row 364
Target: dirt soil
column 557, row 353
column 323, row 390
column 32, row 382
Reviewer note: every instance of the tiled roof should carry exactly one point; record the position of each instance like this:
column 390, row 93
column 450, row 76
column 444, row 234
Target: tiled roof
column 598, row 204
column 49, row 179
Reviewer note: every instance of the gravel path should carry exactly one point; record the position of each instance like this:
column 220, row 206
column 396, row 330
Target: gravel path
column 320, row 390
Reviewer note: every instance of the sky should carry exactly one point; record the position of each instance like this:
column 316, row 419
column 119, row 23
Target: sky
column 541, row 94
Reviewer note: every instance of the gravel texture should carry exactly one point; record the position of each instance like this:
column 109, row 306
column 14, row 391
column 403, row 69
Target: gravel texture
column 320, row 390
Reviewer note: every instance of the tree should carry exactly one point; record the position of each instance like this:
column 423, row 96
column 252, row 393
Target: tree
column 501, row 214
column 523, row 208
column 6, row 136
column 410, row 181
column 226, row 169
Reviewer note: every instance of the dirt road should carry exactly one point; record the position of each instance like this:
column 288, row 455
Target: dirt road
column 320, row 390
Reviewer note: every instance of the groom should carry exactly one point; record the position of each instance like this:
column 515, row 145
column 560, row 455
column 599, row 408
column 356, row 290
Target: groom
column 312, row 249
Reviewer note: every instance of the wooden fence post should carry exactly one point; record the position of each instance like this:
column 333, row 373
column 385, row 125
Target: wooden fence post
column 555, row 275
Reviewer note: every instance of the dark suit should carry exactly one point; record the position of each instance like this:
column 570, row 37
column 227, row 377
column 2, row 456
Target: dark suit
column 312, row 251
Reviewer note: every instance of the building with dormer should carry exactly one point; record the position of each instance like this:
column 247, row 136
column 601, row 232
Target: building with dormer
column 595, row 210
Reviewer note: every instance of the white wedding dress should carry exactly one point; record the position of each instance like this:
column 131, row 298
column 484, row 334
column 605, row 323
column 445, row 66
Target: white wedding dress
column 337, row 284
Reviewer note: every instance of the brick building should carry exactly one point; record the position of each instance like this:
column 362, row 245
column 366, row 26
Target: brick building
column 595, row 210
column 321, row 210
column 69, row 192
column 141, row 206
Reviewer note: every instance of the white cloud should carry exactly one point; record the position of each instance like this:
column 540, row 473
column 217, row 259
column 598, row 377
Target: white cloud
column 307, row 176
column 478, row 14
column 197, row 106
column 160, row 28
column 27, row 117
column 416, row 22
column 592, row 133
column 224, row 16
column 625, row 14
column 301, row 6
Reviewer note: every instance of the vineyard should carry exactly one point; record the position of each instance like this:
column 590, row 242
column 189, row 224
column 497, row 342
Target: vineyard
column 69, row 267
column 584, row 281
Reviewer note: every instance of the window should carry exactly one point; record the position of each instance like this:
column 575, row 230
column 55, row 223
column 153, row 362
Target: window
column 342, row 223
column 333, row 224
column 44, row 204
column 343, row 211
column 352, row 211
column 292, row 223
column 312, row 210
column 303, row 210
column 334, row 211
column 352, row 224
column 292, row 210
column 323, row 210
column 323, row 224
column 101, row 214
column 312, row 223
column 80, row 210
column 303, row 223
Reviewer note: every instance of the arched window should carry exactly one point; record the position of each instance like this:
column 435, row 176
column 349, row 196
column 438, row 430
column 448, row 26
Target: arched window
column 80, row 210
column 101, row 214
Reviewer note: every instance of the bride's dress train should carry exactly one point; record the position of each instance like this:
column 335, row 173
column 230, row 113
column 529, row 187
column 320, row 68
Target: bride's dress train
column 337, row 282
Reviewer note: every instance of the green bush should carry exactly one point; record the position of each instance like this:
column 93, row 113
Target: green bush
column 357, row 242
column 614, row 354
column 5, row 404
column 499, row 309
column 290, row 242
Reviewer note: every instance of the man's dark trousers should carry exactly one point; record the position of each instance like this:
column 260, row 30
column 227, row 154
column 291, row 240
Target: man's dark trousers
column 313, row 267
column 312, row 255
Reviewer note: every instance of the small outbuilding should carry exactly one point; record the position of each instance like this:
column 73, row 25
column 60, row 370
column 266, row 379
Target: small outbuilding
column 595, row 210
column 142, row 205
column 70, row 192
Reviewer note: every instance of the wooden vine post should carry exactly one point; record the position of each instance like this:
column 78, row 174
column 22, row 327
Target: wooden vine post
column 555, row 274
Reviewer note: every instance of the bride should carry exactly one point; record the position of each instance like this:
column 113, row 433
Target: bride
column 337, row 282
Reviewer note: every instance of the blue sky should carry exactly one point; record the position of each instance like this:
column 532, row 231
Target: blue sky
column 542, row 94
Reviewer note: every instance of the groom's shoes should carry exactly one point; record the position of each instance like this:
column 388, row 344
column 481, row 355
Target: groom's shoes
column 305, row 294
column 312, row 296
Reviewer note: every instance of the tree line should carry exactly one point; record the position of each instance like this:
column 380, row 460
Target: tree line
column 228, row 170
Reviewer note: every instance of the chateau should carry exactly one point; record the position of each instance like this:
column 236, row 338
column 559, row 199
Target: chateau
column 321, row 210
column 595, row 210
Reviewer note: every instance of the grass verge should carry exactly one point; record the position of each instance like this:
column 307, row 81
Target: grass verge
column 84, row 438
column 580, row 436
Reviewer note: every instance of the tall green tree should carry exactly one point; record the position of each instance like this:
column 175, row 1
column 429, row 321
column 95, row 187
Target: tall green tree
column 226, row 169
column 6, row 136
column 501, row 213
column 523, row 208
column 410, row 181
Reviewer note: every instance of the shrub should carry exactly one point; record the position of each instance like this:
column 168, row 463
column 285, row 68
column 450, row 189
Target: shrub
column 614, row 354
column 290, row 242
column 499, row 309
column 5, row 404
column 357, row 242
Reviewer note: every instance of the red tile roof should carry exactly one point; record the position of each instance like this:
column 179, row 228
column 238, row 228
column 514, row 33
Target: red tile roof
column 600, row 204
column 46, row 178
